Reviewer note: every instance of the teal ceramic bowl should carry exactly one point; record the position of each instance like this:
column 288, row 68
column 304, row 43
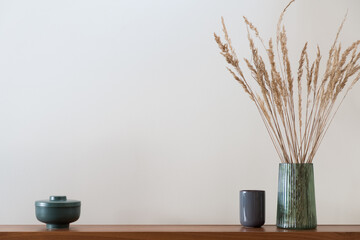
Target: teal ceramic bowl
column 57, row 212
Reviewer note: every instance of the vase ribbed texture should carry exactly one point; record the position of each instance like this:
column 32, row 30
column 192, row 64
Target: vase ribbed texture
column 296, row 196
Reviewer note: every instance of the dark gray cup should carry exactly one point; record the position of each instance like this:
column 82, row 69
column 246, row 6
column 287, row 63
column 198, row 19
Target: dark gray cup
column 252, row 208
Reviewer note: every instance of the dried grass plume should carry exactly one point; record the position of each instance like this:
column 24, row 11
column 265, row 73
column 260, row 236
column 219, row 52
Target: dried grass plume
column 296, row 110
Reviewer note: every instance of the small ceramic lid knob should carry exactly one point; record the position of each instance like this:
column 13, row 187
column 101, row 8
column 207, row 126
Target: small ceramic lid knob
column 57, row 198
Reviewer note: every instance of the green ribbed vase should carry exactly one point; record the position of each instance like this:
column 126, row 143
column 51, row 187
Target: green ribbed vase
column 296, row 207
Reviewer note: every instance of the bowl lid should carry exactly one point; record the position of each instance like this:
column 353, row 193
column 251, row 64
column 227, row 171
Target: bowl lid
column 57, row 201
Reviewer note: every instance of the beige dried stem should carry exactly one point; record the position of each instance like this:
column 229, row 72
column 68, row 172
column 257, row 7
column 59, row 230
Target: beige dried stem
column 296, row 120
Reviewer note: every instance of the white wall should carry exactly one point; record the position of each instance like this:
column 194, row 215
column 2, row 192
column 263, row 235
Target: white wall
column 127, row 106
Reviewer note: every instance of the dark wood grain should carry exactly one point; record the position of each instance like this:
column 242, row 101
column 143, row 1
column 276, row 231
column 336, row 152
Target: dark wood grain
column 177, row 232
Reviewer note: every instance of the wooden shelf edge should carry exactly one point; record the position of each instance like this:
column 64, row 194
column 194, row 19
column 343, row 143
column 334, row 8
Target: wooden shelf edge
column 177, row 232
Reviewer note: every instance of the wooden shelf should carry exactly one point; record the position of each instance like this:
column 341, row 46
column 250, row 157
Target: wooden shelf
column 176, row 232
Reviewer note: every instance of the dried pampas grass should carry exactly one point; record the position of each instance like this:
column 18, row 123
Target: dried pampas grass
column 296, row 113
